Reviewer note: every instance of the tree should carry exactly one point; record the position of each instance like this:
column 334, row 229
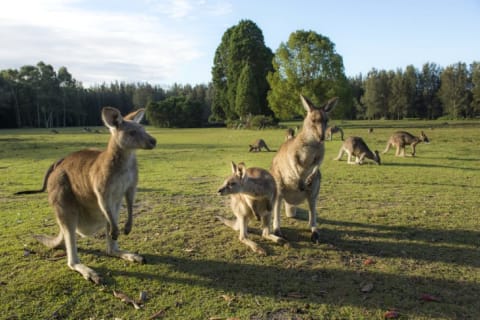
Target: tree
column 377, row 93
column 307, row 64
column 453, row 90
column 241, row 45
column 429, row 85
column 475, row 74
column 246, row 98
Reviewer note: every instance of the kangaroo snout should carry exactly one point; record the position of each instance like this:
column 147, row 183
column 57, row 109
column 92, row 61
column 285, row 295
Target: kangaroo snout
column 151, row 143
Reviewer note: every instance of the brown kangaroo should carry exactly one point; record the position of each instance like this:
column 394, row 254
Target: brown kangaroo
column 296, row 165
column 252, row 192
column 86, row 189
column 289, row 134
column 258, row 145
column 331, row 130
column 355, row 146
column 400, row 139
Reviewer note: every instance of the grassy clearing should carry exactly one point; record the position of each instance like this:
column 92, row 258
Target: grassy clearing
column 397, row 231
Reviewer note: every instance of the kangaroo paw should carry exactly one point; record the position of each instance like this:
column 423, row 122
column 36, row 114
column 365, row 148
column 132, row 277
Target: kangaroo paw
column 315, row 237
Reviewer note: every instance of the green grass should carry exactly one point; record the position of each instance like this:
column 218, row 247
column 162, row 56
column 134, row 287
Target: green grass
column 415, row 218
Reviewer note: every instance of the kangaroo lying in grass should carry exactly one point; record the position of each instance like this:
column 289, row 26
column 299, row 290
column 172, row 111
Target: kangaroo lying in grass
column 331, row 130
column 252, row 192
column 400, row 139
column 296, row 165
column 258, row 145
column 86, row 189
column 355, row 146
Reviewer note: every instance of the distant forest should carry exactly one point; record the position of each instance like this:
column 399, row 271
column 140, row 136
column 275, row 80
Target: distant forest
column 248, row 79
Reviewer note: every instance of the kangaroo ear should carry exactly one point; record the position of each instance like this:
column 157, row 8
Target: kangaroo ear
column 241, row 170
column 307, row 104
column 135, row 116
column 330, row 104
column 111, row 117
column 234, row 168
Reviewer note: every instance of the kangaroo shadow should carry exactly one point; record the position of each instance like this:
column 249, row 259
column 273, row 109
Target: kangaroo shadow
column 317, row 285
column 425, row 165
column 448, row 246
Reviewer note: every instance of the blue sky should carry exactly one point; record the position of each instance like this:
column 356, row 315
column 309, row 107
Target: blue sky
column 174, row 41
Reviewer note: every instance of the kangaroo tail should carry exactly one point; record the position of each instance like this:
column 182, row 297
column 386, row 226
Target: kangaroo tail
column 45, row 180
column 51, row 242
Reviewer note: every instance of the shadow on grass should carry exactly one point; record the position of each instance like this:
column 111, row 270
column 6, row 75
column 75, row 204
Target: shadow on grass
column 426, row 165
column 319, row 285
column 449, row 246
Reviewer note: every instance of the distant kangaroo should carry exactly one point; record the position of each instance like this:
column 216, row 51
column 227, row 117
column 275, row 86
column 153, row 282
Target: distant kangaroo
column 258, row 145
column 400, row 139
column 252, row 192
column 296, row 165
column 355, row 146
column 86, row 189
column 331, row 130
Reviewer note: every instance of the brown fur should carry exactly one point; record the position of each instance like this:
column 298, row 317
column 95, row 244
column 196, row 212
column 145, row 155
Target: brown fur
column 295, row 167
column 86, row 189
column 400, row 139
column 331, row 130
column 258, row 145
column 355, row 146
column 252, row 192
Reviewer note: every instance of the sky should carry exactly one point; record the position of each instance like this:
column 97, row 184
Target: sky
column 164, row 42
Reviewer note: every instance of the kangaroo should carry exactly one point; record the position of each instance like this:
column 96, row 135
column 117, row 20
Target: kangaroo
column 258, row 145
column 296, row 165
column 252, row 192
column 355, row 146
column 331, row 130
column 400, row 139
column 86, row 189
column 289, row 134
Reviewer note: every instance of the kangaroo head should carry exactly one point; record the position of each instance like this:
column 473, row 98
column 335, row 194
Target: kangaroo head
column 377, row 157
column 424, row 138
column 127, row 132
column 315, row 122
column 234, row 183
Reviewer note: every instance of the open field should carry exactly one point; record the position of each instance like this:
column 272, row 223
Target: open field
column 392, row 236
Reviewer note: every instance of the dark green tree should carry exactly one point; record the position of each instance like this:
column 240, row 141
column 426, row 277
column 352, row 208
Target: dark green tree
column 241, row 45
column 453, row 91
column 377, row 93
column 475, row 75
column 428, row 87
column 307, row 64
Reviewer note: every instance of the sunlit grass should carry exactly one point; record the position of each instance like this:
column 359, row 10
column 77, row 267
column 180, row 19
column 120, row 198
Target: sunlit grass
column 415, row 220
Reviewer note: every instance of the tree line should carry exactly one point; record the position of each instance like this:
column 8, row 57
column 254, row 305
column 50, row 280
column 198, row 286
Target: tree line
column 249, row 81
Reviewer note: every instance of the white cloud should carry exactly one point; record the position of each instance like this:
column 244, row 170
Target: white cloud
column 96, row 46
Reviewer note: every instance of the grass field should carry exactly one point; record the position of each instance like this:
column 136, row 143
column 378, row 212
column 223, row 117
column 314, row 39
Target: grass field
column 393, row 237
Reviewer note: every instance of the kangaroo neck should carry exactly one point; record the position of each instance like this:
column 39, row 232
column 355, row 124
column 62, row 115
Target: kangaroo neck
column 307, row 137
column 116, row 156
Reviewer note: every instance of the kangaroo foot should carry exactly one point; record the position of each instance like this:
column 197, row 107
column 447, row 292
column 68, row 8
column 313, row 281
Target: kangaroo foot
column 315, row 237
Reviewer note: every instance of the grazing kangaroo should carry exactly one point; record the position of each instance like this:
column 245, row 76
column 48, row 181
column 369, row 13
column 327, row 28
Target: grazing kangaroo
column 252, row 192
column 355, row 146
column 289, row 134
column 400, row 139
column 331, row 130
column 296, row 165
column 258, row 145
column 86, row 189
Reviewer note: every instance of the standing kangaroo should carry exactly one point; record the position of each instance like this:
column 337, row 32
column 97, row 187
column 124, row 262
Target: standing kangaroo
column 258, row 145
column 400, row 139
column 331, row 130
column 355, row 146
column 252, row 192
column 86, row 189
column 296, row 165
